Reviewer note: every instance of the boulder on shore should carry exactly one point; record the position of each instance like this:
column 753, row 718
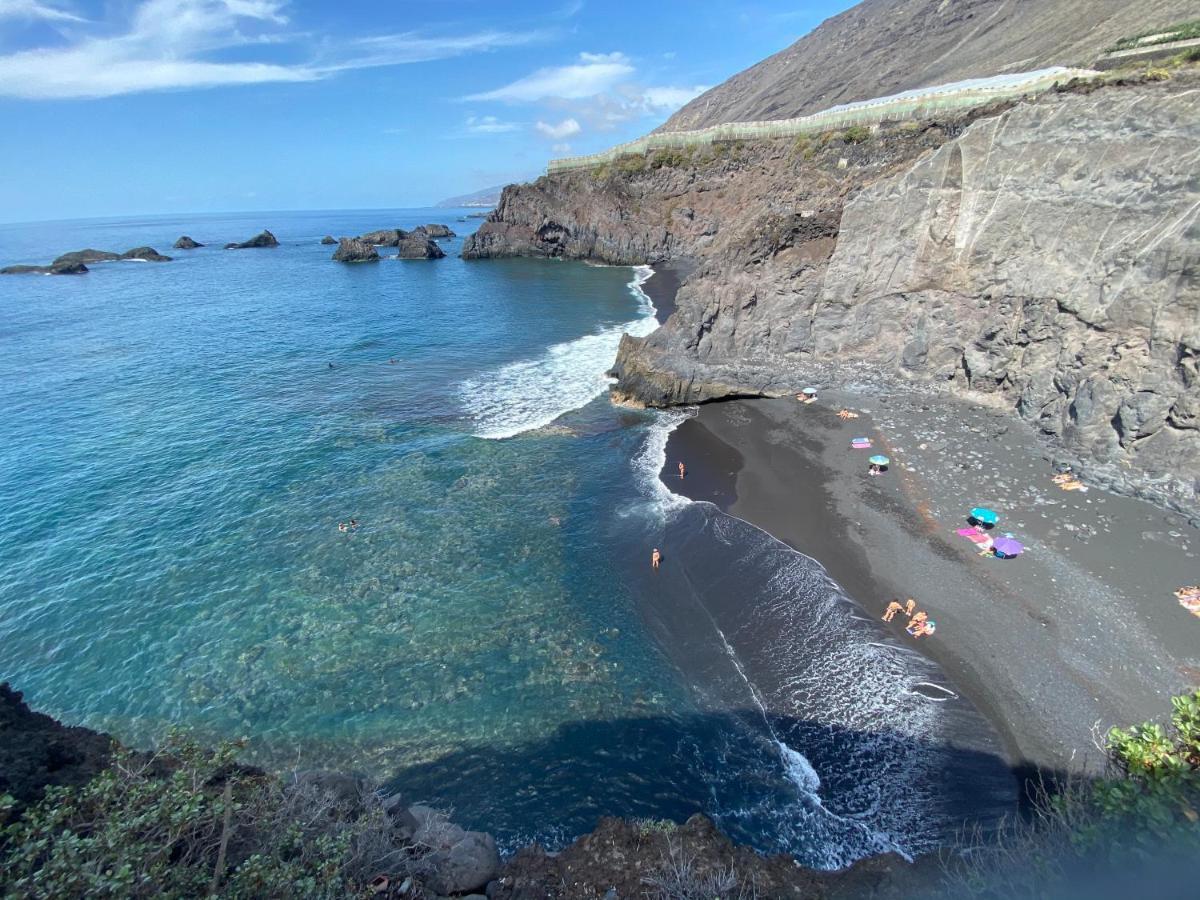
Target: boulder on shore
column 462, row 861
column 354, row 250
column 418, row 246
column 329, row 239
column 186, row 243
column 147, row 254
column 384, row 237
column 265, row 239
column 67, row 268
column 434, row 231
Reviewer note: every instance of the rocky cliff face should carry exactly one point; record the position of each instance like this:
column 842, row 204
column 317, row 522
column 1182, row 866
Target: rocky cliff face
column 880, row 47
column 1044, row 254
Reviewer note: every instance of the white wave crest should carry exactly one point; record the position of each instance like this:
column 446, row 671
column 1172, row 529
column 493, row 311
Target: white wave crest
column 531, row 393
column 650, row 459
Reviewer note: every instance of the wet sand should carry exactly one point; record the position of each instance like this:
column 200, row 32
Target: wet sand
column 1080, row 631
column 662, row 286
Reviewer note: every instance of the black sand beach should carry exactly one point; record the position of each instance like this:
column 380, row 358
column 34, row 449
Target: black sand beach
column 1080, row 631
column 662, row 286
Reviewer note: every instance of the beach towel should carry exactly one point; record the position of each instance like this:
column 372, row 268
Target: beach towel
column 974, row 536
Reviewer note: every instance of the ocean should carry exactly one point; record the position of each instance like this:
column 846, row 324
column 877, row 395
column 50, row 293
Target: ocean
column 181, row 441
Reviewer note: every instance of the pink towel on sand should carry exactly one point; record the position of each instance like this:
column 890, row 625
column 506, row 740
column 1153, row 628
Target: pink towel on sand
column 972, row 535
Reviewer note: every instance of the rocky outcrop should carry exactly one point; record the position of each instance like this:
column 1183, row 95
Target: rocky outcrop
column 1044, row 254
column 263, row 239
column 417, row 246
column 37, row 751
column 186, row 243
column 434, row 231
column 385, row 237
column 145, row 254
column 67, row 268
column 86, row 256
column 881, row 47
column 328, row 239
column 355, row 250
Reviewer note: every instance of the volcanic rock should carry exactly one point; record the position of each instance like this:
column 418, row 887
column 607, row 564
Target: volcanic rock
column 66, row 268
column 434, row 231
column 354, row 250
column 384, row 237
column 329, row 239
column 147, row 254
column 86, row 256
column 265, row 239
column 186, row 243
column 418, row 246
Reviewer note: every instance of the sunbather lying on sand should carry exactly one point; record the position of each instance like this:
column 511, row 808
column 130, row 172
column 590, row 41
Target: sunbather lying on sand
column 917, row 620
column 1191, row 592
column 922, row 630
column 846, row 414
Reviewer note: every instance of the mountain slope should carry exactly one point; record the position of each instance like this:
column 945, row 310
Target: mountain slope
column 880, row 47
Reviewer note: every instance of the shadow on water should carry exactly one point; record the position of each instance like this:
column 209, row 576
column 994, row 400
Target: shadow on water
column 717, row 764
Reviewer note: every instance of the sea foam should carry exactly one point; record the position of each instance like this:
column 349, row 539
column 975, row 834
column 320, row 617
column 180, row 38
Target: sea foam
column 532, row 393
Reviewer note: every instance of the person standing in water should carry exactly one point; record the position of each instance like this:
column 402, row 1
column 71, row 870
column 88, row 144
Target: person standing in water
column 682, row 469
column 655, row 558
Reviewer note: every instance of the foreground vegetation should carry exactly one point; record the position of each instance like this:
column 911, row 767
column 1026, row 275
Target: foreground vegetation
column 187, row 821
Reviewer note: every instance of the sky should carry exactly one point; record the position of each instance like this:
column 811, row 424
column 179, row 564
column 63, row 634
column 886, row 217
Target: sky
column 128, row 107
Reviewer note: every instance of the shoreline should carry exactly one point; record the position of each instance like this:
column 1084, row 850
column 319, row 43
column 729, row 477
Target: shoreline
column 1023, row 640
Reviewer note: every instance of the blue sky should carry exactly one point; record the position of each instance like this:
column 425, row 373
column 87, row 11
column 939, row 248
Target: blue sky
column 122, row 107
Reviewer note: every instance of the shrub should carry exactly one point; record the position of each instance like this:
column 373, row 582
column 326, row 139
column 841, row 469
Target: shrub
column 680, row 876
column 191, row 822
column 1180, row 32
column 631, row 164
column 671, row 158
column 856, row 134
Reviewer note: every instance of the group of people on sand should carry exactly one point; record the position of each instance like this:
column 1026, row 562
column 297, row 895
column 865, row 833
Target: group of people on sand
column 919, row 623
column 352, row 525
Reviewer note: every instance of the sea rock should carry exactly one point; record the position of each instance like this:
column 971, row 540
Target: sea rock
column 148, row 254
column 67, row 268
column 385, row 237
column 86, row 256
column 354, row 250
column 434, row 231
column 467, row 865
column 329, row 239
column 264, row 239
column 418, row 246
column 186, row 243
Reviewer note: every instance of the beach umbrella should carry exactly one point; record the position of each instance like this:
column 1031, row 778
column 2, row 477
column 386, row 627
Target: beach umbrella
column 1007, row 547
column 985, row 516
column 879, row 460
column 809, row 390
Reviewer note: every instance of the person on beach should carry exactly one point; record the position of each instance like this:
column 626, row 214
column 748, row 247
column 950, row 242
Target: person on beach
column 655, row 558
column 682, row 469
column 910, row 606
column 924, row 629
column 874, row 469
column 917, row 621
column 892, row 608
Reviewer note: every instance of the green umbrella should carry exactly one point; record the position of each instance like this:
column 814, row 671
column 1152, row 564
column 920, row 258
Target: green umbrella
column 879, row 460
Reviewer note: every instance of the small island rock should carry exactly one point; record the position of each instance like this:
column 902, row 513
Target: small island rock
column 384, row 237
column 418, row 246
column 64, row 268
column 355, row 250
column 147, row 254
column 265, row 239
column 329, row 239
column 186, row 243
column 435, row 231
column 85, row 256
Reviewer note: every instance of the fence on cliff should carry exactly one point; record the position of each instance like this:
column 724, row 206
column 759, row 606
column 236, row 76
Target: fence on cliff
column 921, row 103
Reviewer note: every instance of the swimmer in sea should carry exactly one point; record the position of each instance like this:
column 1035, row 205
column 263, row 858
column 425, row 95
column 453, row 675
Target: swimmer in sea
column 682, row 469
column 655, row 558
column 892, row 608
column 342, row 526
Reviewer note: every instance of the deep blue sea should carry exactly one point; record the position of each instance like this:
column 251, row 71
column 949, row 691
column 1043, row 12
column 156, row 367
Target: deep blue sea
column 181, row 440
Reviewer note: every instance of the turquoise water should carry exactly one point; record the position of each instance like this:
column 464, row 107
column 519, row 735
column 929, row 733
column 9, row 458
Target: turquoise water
column 181, row 441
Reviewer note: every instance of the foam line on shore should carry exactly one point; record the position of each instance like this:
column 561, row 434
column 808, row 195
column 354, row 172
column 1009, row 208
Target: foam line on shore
column 531, row 393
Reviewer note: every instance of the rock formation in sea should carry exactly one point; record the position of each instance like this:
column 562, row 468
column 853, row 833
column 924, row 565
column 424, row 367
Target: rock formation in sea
column 329, row 239
column 384, row 237
column 146, row 254
column 355, row 250
column 67, row 268
column 1041, row 254
column 434, row 231
column 186, row 243
column 86, row 256
column 264, row 239
column 416, row 245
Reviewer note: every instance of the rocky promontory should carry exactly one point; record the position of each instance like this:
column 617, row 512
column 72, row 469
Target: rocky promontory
column 263, row 239
column 355, row 250
column 186, row 243
column 1039, row 255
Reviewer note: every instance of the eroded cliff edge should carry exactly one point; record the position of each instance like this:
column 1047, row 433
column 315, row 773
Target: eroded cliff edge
column 1042, row 255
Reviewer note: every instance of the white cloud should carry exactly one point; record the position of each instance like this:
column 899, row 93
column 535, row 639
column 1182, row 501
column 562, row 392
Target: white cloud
column 594, row 74
column 167, row 44
column 564, row 129
column 31, row 9
column 489, row 125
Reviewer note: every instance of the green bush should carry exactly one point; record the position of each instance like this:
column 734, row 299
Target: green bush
column 1181, row 32
column 631, row 164
column 856, row 134
column 190, row 822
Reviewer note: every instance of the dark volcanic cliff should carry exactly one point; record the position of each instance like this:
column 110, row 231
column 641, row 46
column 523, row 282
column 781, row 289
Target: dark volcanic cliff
column 880, row 47
column 1044, row 254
